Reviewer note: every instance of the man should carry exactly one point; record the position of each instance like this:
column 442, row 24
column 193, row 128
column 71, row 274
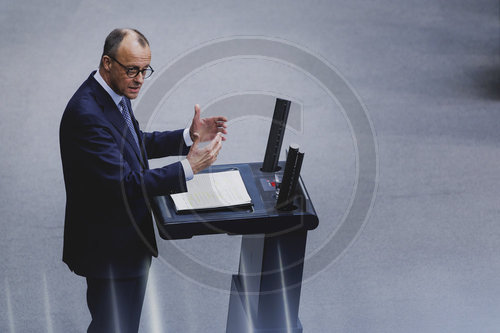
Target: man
column 108, row 232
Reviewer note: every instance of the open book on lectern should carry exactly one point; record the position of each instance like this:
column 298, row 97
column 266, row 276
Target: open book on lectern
column 208, row 191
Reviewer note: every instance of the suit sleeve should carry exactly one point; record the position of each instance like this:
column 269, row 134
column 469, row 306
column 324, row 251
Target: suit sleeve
column 163, row 144
column 101, row 163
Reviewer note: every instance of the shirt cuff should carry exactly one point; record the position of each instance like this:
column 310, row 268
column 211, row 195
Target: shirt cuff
column 188, row 172
column 187, row 137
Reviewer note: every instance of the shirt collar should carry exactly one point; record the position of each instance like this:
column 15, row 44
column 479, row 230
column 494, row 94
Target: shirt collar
column 116, row 98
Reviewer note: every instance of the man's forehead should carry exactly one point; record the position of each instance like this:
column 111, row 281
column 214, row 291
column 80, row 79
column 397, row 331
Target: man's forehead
column 134, row 54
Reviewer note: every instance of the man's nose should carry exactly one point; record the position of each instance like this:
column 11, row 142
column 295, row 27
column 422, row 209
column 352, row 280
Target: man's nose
column 139, row 78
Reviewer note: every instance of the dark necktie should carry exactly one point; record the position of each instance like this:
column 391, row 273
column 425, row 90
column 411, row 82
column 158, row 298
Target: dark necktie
column 126, row 115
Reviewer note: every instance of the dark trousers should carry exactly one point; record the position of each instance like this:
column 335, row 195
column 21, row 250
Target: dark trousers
column 115, row 304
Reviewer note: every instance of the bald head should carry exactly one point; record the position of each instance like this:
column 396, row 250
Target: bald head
column 115, row 38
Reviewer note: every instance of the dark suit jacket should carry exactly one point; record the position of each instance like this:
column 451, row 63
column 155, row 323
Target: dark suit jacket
column 108, row 229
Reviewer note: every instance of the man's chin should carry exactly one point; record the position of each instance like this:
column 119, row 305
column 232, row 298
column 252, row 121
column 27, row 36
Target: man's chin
column 132, row 95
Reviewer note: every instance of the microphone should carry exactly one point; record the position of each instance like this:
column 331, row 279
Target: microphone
column 291, row 176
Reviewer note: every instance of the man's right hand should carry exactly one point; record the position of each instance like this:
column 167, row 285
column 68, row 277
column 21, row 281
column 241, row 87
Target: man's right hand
column 201, row 158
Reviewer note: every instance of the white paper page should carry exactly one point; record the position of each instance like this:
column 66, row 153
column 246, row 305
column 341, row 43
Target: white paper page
column 213, row 190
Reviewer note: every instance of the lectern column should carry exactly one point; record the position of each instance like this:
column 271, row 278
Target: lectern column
column 265, row 295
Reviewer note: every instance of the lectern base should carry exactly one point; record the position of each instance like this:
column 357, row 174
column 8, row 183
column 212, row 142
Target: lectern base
column 241, row 319
column 265, row 294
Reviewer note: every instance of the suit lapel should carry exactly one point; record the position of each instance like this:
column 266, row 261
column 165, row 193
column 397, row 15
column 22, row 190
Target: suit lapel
column 114, row 116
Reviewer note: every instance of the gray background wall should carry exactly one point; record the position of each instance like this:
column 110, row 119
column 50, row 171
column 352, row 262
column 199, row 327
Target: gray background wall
column 427, row 72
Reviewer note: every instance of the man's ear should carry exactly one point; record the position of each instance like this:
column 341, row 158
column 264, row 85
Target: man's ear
column 106, row 63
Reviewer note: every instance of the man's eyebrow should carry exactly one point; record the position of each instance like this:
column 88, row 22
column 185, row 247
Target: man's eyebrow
column 137, row 67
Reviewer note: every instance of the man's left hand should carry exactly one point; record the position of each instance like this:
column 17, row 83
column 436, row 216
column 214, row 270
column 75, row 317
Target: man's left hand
column 207, row 128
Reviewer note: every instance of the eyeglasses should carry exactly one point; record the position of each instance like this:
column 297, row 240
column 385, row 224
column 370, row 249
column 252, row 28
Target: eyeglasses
column 134, row 71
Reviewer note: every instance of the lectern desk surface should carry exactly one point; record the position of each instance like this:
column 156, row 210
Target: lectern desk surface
column 261, row 218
